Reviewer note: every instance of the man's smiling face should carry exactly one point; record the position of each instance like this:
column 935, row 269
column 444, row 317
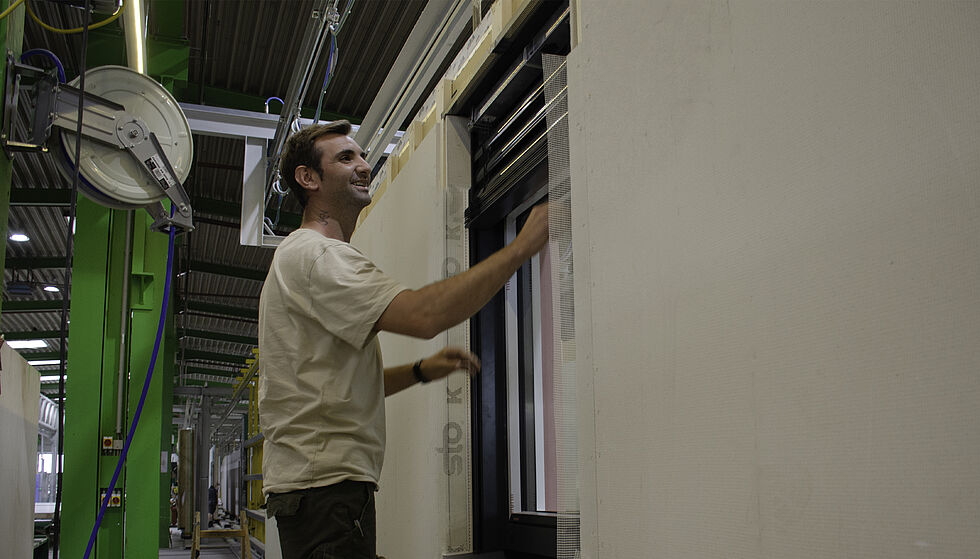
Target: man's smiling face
column 345, row 175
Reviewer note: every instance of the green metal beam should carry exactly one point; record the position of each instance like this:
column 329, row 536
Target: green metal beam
column 40, row 262
column 106, row 46
column 34, row 262
column 227, row 310
column 40, row 197
column 31, row 335
column 167, row 19
column 219, row 336
column 206, row 371
column 31, row 306
column 62, row 197
column 166, row 58
column 41, row 355
column 225, row 270
column 192, row 382
column 55, row 305
column 221, row 208
column 211, row 356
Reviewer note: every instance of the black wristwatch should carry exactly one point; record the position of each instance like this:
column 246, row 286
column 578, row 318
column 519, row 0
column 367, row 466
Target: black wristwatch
column 417, row 371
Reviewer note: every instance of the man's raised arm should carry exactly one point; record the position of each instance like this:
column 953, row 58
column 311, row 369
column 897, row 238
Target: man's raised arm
column 423, row 313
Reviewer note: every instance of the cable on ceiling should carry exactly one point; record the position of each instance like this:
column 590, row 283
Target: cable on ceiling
column 350, row 6
column 115, row 15
column 10, row 9
column 333, row 53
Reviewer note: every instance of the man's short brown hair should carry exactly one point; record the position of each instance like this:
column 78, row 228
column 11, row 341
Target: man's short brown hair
column 301, row 149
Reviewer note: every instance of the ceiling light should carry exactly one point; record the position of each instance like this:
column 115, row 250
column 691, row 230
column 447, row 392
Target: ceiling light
column 43, row 362
column 51, row 378
column 19, row 237
column 27, row 344
column 51, row 288
column 135, row 49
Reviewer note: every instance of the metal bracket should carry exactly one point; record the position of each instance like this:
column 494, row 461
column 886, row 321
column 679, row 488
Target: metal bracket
column 21, row 76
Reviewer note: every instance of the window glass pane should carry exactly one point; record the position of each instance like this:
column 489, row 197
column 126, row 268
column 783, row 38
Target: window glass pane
column 532, row 431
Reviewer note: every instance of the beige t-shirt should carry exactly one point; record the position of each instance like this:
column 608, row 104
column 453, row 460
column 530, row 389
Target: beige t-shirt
column 321, row 385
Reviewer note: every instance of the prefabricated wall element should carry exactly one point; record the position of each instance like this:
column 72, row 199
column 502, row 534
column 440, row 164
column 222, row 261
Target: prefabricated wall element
column 20, row 385
column 776, row 212
column 271, row 548
column 185, row 480
column 230, row 489
column 424, row 500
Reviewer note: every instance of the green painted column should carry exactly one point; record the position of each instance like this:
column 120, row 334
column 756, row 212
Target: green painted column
column 90, row 389
column 167, row 432
column 146, row 465
column 132, row 530
column 12, row 38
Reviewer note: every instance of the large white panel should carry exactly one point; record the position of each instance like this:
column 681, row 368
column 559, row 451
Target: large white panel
column 778, row 303
column 20, row 390
column 405, row 235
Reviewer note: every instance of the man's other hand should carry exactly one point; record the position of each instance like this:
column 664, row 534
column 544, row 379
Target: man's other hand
column 448, row 360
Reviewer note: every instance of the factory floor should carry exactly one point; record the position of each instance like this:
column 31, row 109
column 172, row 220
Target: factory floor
column 211, row 548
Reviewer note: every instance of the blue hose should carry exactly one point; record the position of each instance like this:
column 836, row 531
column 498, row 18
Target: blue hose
column 146, row 388
column 49, row 54
column 270, row 99
column 326, row 78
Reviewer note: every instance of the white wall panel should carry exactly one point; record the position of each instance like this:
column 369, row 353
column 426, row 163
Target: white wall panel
column 778, row 212
column 405, row 235
column 20, row 389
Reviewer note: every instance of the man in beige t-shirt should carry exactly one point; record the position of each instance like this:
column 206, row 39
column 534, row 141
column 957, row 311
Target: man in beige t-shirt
column 323, row 383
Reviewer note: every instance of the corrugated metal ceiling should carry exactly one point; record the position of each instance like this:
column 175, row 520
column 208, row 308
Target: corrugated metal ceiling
column 249, row 47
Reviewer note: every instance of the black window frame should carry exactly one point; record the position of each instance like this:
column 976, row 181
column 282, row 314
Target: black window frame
column 519, row 535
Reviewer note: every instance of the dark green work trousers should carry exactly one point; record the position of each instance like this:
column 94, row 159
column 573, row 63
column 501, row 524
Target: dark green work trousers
column 332, row 522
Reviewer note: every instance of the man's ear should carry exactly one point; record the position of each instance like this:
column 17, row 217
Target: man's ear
column 305, row 177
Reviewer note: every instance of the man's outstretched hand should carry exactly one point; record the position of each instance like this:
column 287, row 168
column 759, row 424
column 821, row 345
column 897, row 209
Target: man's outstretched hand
column 448, row 360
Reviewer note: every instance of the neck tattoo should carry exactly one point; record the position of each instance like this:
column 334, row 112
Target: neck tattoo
column 323, row 217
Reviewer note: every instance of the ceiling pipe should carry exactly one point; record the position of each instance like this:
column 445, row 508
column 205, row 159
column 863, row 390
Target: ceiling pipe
column 306, row 59
column 440, row 24
column 135, row 35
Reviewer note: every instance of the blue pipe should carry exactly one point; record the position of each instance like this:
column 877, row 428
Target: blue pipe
column 146, row 388
column 326, row 78
column 270, row 99
column 49, row 54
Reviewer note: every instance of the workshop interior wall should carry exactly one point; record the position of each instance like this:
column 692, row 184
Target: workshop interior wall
column 404, row 234
column 776, row 216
